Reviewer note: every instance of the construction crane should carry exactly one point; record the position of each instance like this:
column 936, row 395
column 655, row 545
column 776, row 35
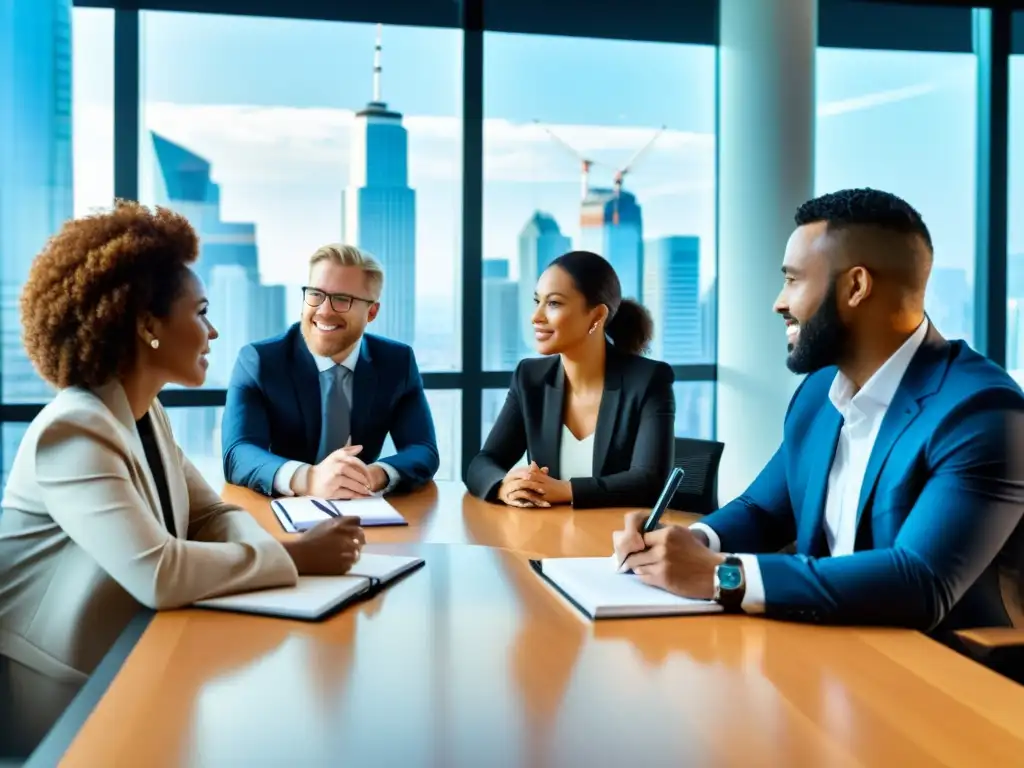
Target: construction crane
column 586, row 163
column 620, row 174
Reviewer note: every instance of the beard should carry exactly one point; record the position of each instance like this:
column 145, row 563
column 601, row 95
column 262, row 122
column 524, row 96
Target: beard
column 822, row 340
column 329, row 345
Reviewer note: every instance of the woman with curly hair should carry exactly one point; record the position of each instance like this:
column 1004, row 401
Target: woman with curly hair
column 102, row 512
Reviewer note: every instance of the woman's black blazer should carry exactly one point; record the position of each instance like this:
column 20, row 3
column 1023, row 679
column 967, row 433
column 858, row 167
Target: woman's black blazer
column 633, row 444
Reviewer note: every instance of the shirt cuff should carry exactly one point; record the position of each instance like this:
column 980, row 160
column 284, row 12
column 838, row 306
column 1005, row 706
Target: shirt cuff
column 393, row 477
column 283, row 477
column 714, row 543
column 753, row 596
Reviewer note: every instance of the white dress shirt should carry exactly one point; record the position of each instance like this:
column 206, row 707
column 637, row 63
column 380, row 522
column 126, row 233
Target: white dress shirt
column 575, row 457
column 862, row 412
column 283, row 476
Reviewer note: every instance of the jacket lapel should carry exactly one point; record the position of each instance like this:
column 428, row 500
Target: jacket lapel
column 825, row 432
column 364, row 388
column 113, row 396
column 551, row 423
column 176, row 487
column 306, row 383
column 608, row 413
column 922, row 379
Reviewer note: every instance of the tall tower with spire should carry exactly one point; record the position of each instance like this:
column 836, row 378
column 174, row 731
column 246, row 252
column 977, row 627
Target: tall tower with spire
column 379, row 207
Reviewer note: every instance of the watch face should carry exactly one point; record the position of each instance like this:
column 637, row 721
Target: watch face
column 729, row 577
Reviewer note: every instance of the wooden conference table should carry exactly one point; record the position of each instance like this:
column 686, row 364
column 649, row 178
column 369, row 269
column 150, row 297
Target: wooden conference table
column 474, row 661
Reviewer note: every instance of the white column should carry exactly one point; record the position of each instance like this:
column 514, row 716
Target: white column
column 765, row 170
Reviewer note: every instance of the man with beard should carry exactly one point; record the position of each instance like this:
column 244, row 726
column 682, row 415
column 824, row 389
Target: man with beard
column 900, row 477
column 307, row 412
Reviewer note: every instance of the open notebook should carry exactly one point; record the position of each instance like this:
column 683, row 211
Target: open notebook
column 297, row 513
column 593, row 585
column 314, row 597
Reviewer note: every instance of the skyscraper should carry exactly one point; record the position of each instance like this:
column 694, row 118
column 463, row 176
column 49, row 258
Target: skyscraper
column 36, row 173
column 379, row 207
column 183, row 183
column 672, row 294
column 613, row 227
column 241, row 308
column 501, row 317
column 540, row 242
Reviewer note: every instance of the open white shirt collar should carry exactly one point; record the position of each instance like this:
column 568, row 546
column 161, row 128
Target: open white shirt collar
column 326, row 363
column 878, row 391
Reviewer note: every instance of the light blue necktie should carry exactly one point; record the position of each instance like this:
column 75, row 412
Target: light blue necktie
column 335, row 425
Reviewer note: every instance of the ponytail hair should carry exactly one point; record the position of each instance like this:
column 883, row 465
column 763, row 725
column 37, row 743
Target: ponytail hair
column 629, row 324
column 631, row 328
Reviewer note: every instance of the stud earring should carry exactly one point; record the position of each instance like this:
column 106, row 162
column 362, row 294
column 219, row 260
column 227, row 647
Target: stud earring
column 592, row 328
column 155, row 343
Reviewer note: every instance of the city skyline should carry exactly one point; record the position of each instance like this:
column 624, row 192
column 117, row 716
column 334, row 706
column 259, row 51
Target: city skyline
column 272, row 107
column 919, row 88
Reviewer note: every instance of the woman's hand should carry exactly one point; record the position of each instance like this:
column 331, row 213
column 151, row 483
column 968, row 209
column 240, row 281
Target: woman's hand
column 523, row 487
column 533, row 486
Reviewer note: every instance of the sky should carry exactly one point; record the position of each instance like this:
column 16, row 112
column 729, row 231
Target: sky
column 270, row 103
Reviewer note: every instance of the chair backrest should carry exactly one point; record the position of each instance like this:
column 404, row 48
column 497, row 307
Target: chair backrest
column 1011, row 578
column 699, row 460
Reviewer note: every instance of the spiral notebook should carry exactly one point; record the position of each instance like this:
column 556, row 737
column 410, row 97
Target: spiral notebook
column 299, row 513
column 593, row 585
column 315, row 597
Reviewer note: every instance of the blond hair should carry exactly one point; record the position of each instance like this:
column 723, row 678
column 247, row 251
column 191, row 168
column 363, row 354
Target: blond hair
column 349, row 256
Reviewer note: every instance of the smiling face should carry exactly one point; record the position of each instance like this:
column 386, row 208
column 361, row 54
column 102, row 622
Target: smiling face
column 808, row 303
column 561, row 318
column 184, row 336
column 331, row 332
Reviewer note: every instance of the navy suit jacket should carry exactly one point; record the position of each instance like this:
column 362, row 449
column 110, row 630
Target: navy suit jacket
column 273, row 415
column 939, row 510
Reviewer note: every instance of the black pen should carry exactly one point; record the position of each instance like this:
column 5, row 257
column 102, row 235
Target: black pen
column 674, row 479
column 323, row 508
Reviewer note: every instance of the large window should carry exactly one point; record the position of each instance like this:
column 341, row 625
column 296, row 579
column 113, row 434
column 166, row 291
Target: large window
column 277, row 136
column 693, row 416
column 56, row 157
column 1015, row 235
column 905, row 122
column 607, row 146
column 197, row 430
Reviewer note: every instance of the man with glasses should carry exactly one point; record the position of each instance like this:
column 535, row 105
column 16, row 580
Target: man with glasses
column 308, row 411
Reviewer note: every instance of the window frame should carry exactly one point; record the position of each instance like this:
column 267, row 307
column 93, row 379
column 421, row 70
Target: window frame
column 864, row 24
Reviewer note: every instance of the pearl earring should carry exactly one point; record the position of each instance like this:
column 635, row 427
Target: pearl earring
column 155, row 343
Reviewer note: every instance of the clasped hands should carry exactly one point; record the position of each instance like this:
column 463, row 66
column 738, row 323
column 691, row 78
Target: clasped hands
column 533, row 486
column 343, row 475
column 673, row 558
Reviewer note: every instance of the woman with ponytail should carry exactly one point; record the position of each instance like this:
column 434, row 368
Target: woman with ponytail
column 594, row 417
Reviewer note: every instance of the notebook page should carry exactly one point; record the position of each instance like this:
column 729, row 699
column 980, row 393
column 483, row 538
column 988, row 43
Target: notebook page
column 374, row 510
column 603, row 593
column 311, row 598
column 304, row 514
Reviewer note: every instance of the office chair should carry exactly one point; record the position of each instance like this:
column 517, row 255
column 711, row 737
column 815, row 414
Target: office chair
column 699, row 459
column 1002, row 648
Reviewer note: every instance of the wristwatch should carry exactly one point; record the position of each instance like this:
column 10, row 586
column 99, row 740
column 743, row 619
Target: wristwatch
column 729, row 584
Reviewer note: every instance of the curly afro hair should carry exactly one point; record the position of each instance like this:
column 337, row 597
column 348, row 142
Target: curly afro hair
column 93, row 281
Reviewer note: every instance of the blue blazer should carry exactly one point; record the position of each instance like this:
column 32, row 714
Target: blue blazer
column 272, row 413
column 939, row 510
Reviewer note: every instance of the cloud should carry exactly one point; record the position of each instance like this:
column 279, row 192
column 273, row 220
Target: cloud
column 877, row 99
column 295, row 143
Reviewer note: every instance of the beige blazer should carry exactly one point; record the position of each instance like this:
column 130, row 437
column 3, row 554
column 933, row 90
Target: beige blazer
column 83, row 542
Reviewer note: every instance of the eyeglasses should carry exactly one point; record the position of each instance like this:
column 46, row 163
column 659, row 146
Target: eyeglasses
column 340, row 302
